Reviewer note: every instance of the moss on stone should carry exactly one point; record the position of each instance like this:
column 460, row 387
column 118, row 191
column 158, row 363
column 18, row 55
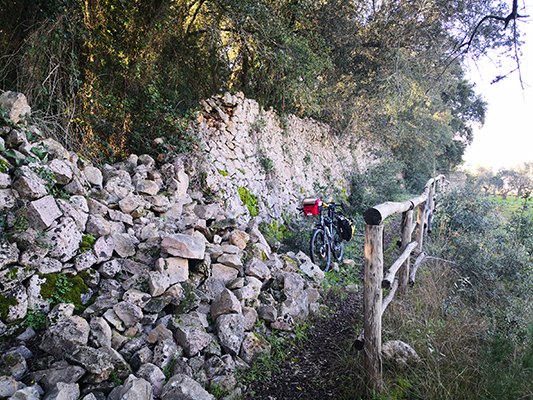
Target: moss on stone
column 5, row 303
column 249, row 200
column 61, row 288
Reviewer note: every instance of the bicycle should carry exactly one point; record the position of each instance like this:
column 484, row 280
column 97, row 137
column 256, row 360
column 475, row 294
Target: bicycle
column 326, row 237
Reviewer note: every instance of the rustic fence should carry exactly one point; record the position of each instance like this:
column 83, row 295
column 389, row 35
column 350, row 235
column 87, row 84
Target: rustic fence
column 374, row 279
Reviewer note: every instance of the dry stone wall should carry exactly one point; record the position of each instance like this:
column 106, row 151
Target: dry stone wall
column 116, row 284
column 279, row 159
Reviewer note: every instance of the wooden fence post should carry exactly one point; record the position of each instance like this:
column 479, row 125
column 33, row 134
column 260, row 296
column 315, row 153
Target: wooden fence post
column 372, row 304
column 407, row 229
column 420, row 225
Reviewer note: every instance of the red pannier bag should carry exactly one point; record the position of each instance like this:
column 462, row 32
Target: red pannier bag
column 312, row 206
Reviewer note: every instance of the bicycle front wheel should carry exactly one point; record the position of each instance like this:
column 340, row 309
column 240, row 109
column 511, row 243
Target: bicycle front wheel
column 320, row 251
column 338, row 246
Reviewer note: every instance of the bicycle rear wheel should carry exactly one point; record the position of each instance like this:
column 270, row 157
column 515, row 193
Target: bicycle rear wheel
column 320, row 250
column 338, row 246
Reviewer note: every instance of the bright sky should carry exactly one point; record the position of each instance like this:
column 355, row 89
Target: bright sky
column 506, row 139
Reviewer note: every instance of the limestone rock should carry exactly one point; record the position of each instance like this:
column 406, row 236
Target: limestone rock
column 399, row 353
column 176, row 268
column 182, row 387
column 65, row 240
column 15, row 105
column 9, row 253
column 43, row 212
column 63, row 391
column 190, row 333
column 65, row 336
column 184, row 246
column 225, row 303
column 253, row 346
column 230, row 329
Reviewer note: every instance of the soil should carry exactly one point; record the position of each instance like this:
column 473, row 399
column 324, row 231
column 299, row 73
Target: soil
column 309, row 371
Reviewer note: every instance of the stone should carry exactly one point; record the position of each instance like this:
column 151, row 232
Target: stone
column 8, row 386
column 399, row 353
column 116, row 215
column 9, row 253
column 267, row 313
column 207, row 212
column 63, row 391
column 74, row 210
column 43, row 212
column 33, row 392
column 190, row 333
column 61, row 170
column 313, row 271
column 13, row 364
column 134, row 296
column 75, row 187
column 176, row 268
column 293, row 284
column 158, row 334
column 230, row 260
column 124, row 246
column 297, row 308
column 96, row 208
column 148, row 187
column 230, row 329
column 59, row 311
column 94, row 176
column 5, row 180
column 158, row 283
column 112, row 317
column 239, row 239
column 130, row 203
column 160, row 204
column 103, row 248
column 100, row 334
column 110, row 268
column 85, row 260
column 184, row 246
column 7, row 199
column 96, row 362
column 60, row 372
column 223, row 272
column 98, row 226
column 19, row 303
column 30, row 187
column 250, row 318
column 15, row 105
column 141, row 357
column 64, row 240
column 225, row 303
column 65, row 336
column 254, row 346
column 152, row 374
column 165, row 352
column 129, row 313
column 258, row 269
column 183, row 387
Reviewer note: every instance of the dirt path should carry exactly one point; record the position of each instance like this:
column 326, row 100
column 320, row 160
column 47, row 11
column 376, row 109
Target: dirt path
column 309, row 371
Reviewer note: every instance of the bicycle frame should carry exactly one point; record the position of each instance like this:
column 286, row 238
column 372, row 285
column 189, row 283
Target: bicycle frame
column 323, row 239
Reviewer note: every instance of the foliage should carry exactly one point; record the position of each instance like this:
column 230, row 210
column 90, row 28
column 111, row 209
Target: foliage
column 112, row 76
column 35, row 319
column 379, row 183
column 249, row 200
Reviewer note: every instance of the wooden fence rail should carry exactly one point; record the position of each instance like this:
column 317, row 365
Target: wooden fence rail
column 374, row 282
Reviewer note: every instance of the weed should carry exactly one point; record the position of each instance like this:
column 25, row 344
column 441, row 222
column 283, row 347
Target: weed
column 35, row 319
